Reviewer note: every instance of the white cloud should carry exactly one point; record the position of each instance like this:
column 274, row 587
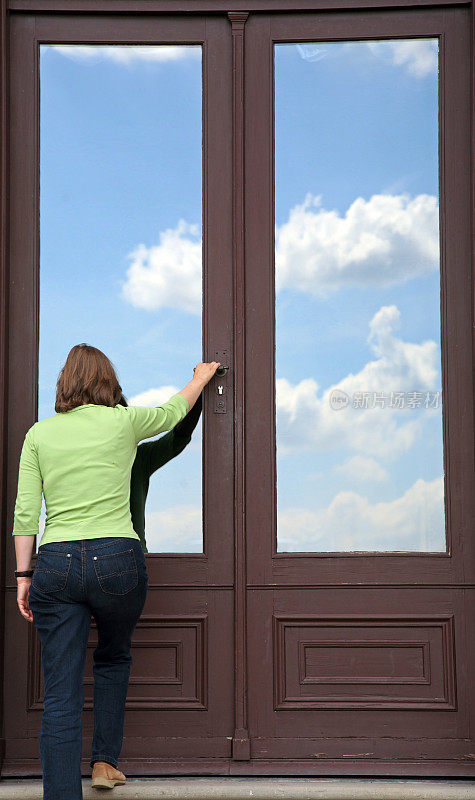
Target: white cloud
column 419, row 56
column 412, row 522
column 153, row 397
column 177, row 529
column 167, row 274
column 385, row 240
column 126, row 54
column 306, row 421
column 308, row 51
column 359, row 468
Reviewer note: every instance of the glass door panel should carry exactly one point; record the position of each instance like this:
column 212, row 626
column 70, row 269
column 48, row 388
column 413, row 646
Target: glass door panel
column 359, row 452
column 121, row 239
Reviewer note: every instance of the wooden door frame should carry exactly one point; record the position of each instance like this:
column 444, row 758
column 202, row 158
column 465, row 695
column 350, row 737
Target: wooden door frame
column 8, row 8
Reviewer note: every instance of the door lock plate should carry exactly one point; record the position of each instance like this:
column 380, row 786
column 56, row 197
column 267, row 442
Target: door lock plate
column 220, row 384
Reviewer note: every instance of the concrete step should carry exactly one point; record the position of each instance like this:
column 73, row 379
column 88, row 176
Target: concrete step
column 258, row 789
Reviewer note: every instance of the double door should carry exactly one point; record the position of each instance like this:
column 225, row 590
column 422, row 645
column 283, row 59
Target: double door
column 309, row 613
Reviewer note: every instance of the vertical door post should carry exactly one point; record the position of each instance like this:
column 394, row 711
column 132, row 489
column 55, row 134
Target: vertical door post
column 241, row 750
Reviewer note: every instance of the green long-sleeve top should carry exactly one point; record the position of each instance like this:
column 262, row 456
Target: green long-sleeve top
column 81, row 461
column 153, row 455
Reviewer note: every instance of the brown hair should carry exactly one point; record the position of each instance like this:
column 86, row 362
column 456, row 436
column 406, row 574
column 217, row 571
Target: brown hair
column 87, row 377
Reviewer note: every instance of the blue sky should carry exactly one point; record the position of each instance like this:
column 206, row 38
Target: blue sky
column 356, row 217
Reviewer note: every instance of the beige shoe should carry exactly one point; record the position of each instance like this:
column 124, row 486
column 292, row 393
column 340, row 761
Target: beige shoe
column 105, row 776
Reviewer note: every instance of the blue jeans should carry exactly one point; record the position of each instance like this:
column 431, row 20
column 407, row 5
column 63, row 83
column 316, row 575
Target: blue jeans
column 106, row 578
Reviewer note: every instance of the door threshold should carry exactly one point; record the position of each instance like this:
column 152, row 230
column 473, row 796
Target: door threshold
column 204, row 788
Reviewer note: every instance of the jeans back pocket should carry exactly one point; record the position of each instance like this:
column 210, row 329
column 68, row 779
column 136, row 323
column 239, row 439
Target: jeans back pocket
column 116, row 572
column 51, row 571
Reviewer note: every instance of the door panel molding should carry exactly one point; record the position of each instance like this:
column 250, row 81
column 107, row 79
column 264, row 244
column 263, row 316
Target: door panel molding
column 415, row 655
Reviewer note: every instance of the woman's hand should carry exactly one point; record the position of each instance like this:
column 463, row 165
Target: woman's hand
column 22, row 598
column 204, row 372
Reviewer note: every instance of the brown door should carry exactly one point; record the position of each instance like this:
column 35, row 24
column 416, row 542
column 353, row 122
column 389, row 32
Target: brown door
column 179, row 713
column 357, row 660
column 323, row 628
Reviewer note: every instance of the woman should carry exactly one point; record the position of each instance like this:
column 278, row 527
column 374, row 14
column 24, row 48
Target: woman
column 153, row 455
column 90, row 560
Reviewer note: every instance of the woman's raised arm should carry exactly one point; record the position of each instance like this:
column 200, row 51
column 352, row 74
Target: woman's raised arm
column 147, row 422
column 203, row 374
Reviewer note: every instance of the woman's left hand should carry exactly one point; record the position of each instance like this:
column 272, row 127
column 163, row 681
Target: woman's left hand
column 22, row 598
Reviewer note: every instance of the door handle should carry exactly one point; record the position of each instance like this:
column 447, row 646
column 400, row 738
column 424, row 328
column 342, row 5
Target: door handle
column 220, row 397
